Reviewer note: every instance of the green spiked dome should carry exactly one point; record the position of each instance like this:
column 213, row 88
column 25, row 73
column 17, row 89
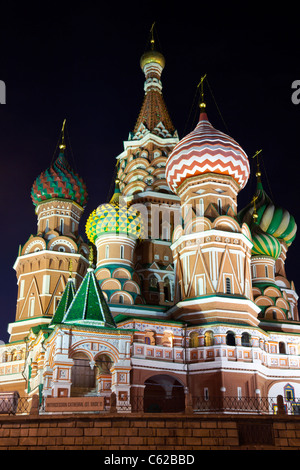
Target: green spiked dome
column 271, row 219
column 114, row 218
column 89, row 307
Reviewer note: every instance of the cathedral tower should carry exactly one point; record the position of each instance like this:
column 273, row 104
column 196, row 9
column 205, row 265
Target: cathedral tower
column 141, row 171
column 43, row 264
column 115, row 229
column 212, row 251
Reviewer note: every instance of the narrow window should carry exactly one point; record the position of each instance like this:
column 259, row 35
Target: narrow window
column 266, row 271
column 47, row 225
column 31, row 307
column 206, row 394
column 201, row 208
column 122, row 251
column 282, row 348
column 121, row 299
column 228, row 285
column 220, row 206
column 107, row 251
column 239, row 393
column 200, row 286
column 62, row 226
column 46, row 284
column 22, row 286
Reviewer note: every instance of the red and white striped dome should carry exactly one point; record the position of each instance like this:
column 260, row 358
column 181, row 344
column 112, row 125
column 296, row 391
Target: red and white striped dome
column 206, row 150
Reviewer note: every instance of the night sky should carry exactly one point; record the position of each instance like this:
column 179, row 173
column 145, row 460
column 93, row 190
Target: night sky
column 81, row 62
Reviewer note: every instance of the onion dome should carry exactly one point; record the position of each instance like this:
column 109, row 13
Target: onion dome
column 114, row 218
column 59, row 181
column 206, row 150
column 271, row 219
column 265, row 244
column 152, row 57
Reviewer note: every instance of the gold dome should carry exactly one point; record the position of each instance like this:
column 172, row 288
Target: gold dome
column 152, row 56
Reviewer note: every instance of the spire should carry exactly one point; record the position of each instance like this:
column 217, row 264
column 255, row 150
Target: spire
column 117, row 193
column 259, row 185
column 154, row 116
column 202, row 104
column 89, row 307
column 65, row 302
column 62, row 144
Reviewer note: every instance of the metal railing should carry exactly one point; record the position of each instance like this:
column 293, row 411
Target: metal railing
column 251, row 405
column 15, row 405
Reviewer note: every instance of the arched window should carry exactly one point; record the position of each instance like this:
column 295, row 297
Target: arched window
column 168, row 290
column 61, row 226
column 194, row 340
column 150, row 337
column 121, row 299
column 153, row 283
column 282, row 349
column 103, row 364
column 246, row 340
column 82, row 375
column 107, row 251
column 167, row 339
column 230, row 338
column 208, row 338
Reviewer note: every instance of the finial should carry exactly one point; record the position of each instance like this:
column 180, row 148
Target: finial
column 202, row 102
column 152, row 41
column 70, row 267
column 91, row 257
column 258, row 172
column 255, row 215
column 63, row 145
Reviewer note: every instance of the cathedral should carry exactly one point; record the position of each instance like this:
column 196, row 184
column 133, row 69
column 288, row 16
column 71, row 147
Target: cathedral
column 171, row 293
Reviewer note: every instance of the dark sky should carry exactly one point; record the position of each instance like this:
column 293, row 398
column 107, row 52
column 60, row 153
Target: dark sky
column 81, row 62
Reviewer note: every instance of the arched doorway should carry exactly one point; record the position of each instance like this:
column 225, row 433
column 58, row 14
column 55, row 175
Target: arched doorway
column 82, row 375
column 163, row 393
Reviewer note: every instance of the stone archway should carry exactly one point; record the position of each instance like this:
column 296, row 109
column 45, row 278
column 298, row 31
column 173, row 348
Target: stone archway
column 163, row 393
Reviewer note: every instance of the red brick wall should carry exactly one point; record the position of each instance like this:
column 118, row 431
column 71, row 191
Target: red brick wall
column 143, row 432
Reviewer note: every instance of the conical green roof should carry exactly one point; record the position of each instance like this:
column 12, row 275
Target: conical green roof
column 64, row 303
column 89, row 307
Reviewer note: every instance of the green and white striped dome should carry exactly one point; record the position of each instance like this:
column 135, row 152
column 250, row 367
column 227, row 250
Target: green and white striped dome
column 277, row 222
column 265, row 245
column 271, row 219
